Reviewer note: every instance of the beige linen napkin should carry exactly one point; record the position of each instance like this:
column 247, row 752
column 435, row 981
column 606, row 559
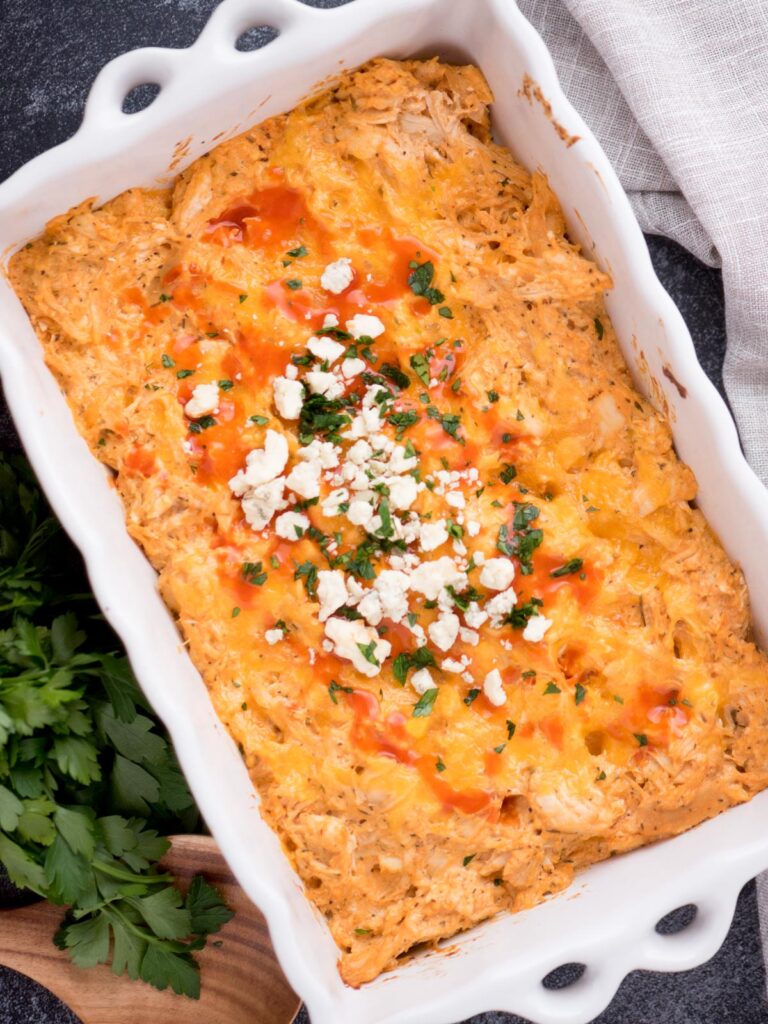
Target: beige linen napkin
column 677, row 93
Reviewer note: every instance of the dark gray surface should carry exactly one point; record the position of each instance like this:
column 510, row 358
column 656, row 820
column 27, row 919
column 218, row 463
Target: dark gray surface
column 50, row 51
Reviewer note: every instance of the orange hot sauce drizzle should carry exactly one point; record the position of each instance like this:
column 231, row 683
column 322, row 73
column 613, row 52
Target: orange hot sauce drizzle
column 270, row 218
column 390, row 739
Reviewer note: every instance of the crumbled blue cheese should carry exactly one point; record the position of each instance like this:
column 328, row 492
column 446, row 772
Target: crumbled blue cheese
column 444, row 630
column 500, row 606
column 204, row 400
column 493, row 688
column 352, row 368
column 331, row 592
column 304, row 479
column 429, row 578
column 475, row 616
column 289, row 397
column 325, row 383
column 326, row 349
column 392, row 586
column 260, row 503
column 349, row 637
column 337, row 276
column 324, row 452
column 497, row 573
column 261, row 464
column 362, row 325
column 433, row 535
column 536, row 627
column 421, row 681
column 291, row 525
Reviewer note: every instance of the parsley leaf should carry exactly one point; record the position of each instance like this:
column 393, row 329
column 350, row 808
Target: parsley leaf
column 426, row 703
column 86, row 775
column 420, row 366
column 368, row 651
column 573, row 565
column 422, row 657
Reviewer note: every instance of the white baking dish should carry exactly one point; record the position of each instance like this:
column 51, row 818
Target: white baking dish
column 213, row 90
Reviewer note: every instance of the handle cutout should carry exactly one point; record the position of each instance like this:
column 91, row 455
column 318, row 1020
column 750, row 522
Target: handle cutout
column 140, row 97
column 256, row 37
column 563, row 976
column 677, row 920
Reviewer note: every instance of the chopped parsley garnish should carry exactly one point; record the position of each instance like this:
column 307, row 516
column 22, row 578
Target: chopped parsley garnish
column 242, row 298
column 493, row 396
column 580, row 693
column 455, row 530
column 402, row 420
column 420, row 283
column 529, row 673
column 165, row 298
column 226, row 385
column 335, row 688
column 307, row 572
column 510, row 728
column 521, row 613
column 254, row 574
column 519, row 416
column 334, row 332
column 204, row 423
column 618, row 699
column 471, row 696
column 525, row 539
column 363, row 931
column 601, row 777
column 298, row 252
column 599, row 329
column 446, row 312
column 386, row 529
column 499, row 749
column 422, row 657
column 641, row 738
column 439, row 765
column 551, row 688
column 465, row 598
column 368, row 651
column 167, row 361
column 235, row 612
column 260, row 421
column 525, row 513
column 426, row 703
column 468, row 859
column 396, row 375
column 570, row 567
column 456, row 385
column 320, row 415
column 359, row 562
column 449, row 421
column 294, row 283
column 181, row 374
column 420, row 366
column 508, row 474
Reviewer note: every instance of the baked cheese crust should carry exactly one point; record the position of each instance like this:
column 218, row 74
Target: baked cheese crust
column 433, row 554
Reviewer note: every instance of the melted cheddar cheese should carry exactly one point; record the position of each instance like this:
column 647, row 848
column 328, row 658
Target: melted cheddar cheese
column 572, row 674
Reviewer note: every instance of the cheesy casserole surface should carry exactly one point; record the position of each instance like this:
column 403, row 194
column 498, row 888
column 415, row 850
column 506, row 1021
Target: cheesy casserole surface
column 433, row 554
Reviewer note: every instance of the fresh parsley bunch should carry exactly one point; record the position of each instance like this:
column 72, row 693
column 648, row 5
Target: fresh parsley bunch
column 88, row 780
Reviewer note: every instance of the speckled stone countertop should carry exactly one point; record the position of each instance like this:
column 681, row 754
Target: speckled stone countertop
column 50, row 52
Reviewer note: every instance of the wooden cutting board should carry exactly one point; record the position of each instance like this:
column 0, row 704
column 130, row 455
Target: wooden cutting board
column 242, row 983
